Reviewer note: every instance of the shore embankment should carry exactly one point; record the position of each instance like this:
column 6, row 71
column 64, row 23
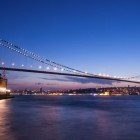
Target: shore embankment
column 6, row 96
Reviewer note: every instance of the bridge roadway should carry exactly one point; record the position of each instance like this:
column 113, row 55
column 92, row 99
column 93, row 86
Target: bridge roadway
column 67, row 74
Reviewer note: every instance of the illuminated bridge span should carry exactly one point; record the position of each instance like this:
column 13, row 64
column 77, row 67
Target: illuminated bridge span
column 15, row 58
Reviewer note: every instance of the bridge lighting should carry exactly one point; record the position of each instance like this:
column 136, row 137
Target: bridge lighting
column 55, row 68
column 13, row 64
column 74, row 71
column 22, row 65
column 62, row 69
column 40, row 67
column 47, row 68
column 2, row 63
column 31, row 66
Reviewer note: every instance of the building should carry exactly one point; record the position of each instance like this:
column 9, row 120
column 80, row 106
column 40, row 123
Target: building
column 3, row 85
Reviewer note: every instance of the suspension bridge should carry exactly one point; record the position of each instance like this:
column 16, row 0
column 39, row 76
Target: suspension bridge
column 16, row 58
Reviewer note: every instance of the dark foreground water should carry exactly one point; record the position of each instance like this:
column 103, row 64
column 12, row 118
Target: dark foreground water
column 70, row 118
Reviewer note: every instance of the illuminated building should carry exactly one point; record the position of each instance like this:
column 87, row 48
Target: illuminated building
column 105, row 93
column 3, row 85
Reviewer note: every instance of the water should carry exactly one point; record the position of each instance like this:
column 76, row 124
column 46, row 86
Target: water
column 70, row 118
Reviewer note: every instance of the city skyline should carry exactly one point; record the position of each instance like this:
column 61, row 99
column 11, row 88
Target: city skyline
column 94, row 36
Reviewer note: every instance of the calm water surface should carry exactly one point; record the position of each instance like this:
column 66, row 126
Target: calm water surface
column 70, row 118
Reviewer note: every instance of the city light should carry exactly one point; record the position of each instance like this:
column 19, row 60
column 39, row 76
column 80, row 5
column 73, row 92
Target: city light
column 86, row 72
column 4, row 90
column 8, row 90
column 100, row 74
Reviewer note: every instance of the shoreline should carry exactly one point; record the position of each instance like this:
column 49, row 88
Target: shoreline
column 2, row 97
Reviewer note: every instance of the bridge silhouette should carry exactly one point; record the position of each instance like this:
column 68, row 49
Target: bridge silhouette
column 16, row 58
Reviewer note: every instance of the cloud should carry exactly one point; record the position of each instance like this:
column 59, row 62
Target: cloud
column 89, row 80
column 80, row 80
column 62, row 79
column 68, row 79
column 22, row 79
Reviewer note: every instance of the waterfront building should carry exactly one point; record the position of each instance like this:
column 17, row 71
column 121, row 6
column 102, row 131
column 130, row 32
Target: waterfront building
column 3, row 85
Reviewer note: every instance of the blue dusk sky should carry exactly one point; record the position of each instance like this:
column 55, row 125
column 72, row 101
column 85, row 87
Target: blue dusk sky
column 98, row 36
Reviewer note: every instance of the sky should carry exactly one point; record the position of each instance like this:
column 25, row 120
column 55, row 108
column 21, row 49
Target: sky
column 98, row 36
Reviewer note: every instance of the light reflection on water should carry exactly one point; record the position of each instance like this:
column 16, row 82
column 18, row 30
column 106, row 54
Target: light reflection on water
column 5, row 130
column 70, row 118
